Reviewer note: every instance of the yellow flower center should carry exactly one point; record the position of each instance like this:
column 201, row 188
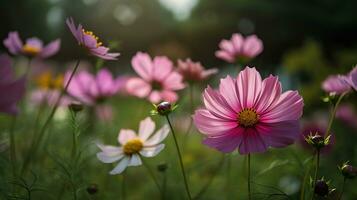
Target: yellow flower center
column 133, row 146
column 90, row 33
column 248, row 117
column 30, row 50
column 47, row 81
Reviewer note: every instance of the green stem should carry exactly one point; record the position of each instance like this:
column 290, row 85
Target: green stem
column 34, row 146
column 151, row 173
column 180, row 158
column 164, row 183
column 123, row 187
column 12, row 145
column 316, row 171
column 249, row 189
column 228, row 178
column 74, row 135
column 333, row 113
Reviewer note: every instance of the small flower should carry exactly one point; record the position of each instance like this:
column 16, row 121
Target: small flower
column 336, row 84
column 239, row 48
column 194, row 71
column 90, row 42
column 33, row 46
column 321, row 188
column 11, row 89
column 249, row 114
column 352, row 78
column 134, row 146
column 158, row 81
column 94, row 90
column 348, row 171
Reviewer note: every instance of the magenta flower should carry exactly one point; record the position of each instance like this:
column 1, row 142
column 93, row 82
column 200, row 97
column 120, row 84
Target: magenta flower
column 33, row 46
column 336, row 84
column 194, row 71
column 239, row 48
column 249, row 114
column 346, row 113
column 158, row 81
column 95, row 90
column 90, row 42
column 11, row 90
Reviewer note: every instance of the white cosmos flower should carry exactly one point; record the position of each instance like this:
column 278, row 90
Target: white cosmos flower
column 133, row 146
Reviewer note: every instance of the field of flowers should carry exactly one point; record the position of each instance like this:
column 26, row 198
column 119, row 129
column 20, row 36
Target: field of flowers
column 172, row 128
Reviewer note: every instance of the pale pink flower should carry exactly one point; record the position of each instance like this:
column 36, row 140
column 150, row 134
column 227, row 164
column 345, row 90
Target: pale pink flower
column 249, row 114
column 347, row 114
column 352, row 78
column 90, row 42
column 336, row 84
column 94, row 90
column 11, row 89
column 32, row 47
column 194, row 71
column 133, row 146
column 239, row 48
column 157, row 82
column 49, row 97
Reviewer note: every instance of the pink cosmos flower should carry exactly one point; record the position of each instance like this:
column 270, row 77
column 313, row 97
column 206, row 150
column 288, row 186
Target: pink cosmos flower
column 352, row 78
column 95, row 90
column 239, row 48
column 346, row 113
column 11, row 89
column 158, row 81
column 133, row 146
column 336, row 84
column 32, row 47
column 249, row 114
column 194, row 71
column 91, row 42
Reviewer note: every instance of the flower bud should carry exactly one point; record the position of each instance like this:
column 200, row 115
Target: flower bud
column 162, row 167
column 317, row 141
column 348, row 171
column 76, row 107
column 321, row 188
column 164, row 108
column 92, row 189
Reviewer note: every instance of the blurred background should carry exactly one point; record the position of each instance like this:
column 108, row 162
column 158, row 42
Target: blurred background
column 304, row 42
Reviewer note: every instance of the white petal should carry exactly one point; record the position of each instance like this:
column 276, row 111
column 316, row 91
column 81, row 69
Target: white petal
column 135, row 160
column 125, row 135
column 121, row 166
column 152, row 151
column 106, row 158
column 110, row 150
column 146, row 128
column 159, row 136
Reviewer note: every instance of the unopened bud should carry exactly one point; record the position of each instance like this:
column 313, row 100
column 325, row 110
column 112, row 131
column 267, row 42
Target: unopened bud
column 92, row 189
column 321, row 188
column 348, row 171
column 76, row 107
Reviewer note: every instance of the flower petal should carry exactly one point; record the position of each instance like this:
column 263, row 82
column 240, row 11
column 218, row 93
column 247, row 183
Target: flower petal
column 162, row 67
column 249, row 83
column 252, row 142
column 121, row 166
column 125, row 135
column 271, row 91
column 228, row 142
column 135, row 160
column 228, row 89
column 152, row 151
column 217, row 105
column 13, row 43
column 146, row 128
column 143, row 65
column 138, row 87
column 50, row 49
column 158, row 137
column 253, row 46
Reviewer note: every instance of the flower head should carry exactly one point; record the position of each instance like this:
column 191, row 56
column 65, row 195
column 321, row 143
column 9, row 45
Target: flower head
column 313, row 135
column 133, row 146
column 194, row 71
column 352, row 78
column 33, row 47
column 249, row 114
column 336, row 84
column 11, row 89
column 90, row 42
column 239, row 48
column 321, row 188
column 348, row 171
column 158, row 81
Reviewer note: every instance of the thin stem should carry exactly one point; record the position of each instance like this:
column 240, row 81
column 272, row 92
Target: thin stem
column 228, row 178
column 180, row 158
column 34, row 147
column 164, row 183
column 12, row 145
column 74, row 134
column 343, row 188
column 190, row 88
column 249, row 190
column 316, row 170
column 151, row 173
column 333, row 113
column 123, row 187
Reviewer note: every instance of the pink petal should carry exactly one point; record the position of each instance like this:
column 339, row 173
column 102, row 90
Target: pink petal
column 13, row 43
column 35, row 42
column 155, row 97
column 226, row 143
column 89, row 41
column 237, row 40
column 162, row 67
column 173, row 82
column 125, row 135
column 227, row 46
column 270, row 93
column 169, row 96
column 73, row 29
column 138, row 87
column 253, row 46
column 105, row 82
column 146, row 128
column 353, row 78
column 336, row 84
column 249, row 84
column 211, row 125
column 228, row 90
column 288, row 107
column 279, row 134
column 143, row 65
column 51, row 49
column 217, row 105
column 224, row 55
column 252, row 142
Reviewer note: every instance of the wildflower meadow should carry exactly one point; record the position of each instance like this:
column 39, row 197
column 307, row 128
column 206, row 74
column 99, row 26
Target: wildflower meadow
column 178, row 99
